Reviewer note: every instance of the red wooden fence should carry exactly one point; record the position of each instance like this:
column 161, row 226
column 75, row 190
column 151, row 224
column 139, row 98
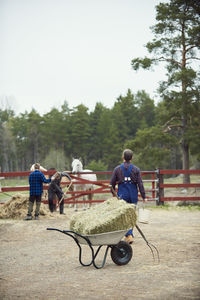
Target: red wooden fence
column 163, row 186
column 102, row 186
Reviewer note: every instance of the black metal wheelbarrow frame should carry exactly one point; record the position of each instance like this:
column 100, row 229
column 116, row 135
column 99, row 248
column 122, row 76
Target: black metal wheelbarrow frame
column 121, row 251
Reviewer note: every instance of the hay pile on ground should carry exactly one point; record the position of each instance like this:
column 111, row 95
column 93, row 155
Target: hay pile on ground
column 111, row 215
column 17, row 207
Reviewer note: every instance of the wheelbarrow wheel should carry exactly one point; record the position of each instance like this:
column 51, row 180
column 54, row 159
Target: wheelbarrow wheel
column 122, row 253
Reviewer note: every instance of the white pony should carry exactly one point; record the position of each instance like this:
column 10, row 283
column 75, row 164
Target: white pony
column 77, row 167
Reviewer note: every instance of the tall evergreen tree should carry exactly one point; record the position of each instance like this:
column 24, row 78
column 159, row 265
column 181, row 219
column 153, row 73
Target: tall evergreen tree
column 34, row 135
column 19, row 127
column 7, row 142
column 95, row 152
column 177, row 44
column 152, row 148
column 53, row 130
column 4, row 117
column 108, row 134
column 80, row 132
column 146, row 109
column 66, row 129
column 125, row 115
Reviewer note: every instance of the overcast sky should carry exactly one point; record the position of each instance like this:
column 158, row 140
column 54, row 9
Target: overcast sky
column 74, row 50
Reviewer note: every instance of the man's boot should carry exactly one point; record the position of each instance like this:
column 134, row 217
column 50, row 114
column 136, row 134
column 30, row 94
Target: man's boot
column 62, row 208
column 129, row 239
column 30, row 209
column 37, row 210
column 51, row 207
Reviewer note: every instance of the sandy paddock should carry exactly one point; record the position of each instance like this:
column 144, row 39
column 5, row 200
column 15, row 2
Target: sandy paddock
column 40, row 264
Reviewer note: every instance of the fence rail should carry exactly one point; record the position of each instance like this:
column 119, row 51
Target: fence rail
column 155, row 192
column 163, row 186
column 102, row 186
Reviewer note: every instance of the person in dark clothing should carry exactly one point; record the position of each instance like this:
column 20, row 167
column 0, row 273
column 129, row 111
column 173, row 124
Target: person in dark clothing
column 36, row 180
column 128, row 178
column 55, row 189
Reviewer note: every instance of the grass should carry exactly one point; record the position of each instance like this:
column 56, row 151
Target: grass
column 179, row 179
column 14, row 182
column 11, row 182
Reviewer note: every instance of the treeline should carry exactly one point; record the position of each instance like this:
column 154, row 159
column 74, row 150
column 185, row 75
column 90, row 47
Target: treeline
column 98, row 137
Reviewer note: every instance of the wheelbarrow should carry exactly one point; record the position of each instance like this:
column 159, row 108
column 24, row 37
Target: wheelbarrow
column 121, row 252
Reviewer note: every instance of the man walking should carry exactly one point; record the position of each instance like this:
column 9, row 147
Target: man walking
column 36, row 180
column 128, row 178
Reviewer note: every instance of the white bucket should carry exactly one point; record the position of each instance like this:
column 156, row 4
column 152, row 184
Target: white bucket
column 143, row 215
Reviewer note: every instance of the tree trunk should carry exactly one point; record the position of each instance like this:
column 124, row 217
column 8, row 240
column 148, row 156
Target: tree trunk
column 185, row 144
column 186, row 166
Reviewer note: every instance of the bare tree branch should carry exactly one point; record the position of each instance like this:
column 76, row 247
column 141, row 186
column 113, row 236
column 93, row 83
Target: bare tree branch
column 193, row 57
column 161, row 58
column 167, row 126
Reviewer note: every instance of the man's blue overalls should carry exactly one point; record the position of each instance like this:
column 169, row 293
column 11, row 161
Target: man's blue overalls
column 127, row 190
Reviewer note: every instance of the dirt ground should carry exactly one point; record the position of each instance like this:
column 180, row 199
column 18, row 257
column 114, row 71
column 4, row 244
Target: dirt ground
column 40, row 264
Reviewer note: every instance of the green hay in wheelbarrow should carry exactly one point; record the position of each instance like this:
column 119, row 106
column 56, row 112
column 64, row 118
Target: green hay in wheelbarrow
column 111, row 215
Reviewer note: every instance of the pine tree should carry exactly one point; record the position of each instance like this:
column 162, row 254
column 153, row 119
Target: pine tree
column 177, row 44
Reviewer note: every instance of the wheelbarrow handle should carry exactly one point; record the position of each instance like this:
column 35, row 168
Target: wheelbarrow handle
column 55, row 229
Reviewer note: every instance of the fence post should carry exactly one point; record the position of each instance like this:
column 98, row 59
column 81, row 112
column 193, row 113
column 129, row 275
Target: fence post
column 160, row 191
column 0, row 180
column 153, row 185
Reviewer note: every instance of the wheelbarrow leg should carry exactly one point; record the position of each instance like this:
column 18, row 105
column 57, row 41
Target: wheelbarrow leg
column 104, row 258
column 94, row 254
